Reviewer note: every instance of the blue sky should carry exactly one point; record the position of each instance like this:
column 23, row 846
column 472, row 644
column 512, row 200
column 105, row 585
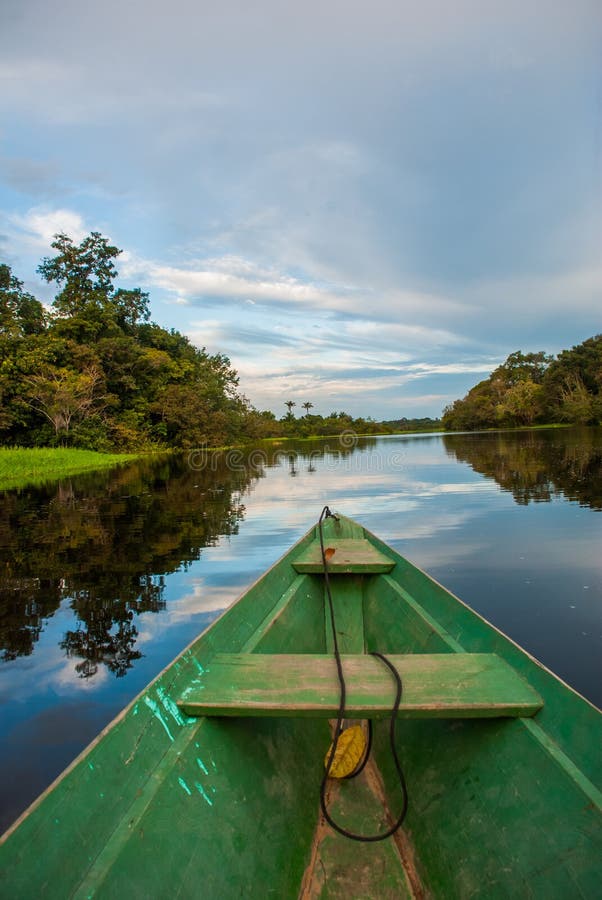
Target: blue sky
column 367, row 206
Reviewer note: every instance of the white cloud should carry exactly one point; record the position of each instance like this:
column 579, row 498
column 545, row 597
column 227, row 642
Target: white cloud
column 388, row 316
column 426, row 369
column 377, row 396
column 232, row 278
column 34, row 230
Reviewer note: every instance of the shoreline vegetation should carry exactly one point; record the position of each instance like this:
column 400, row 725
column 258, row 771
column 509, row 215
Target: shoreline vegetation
column 532, row 389
column 22, row 467
column 33, row 466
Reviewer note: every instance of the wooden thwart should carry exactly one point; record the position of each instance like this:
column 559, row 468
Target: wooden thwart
column 442, row 685
column 351, row 556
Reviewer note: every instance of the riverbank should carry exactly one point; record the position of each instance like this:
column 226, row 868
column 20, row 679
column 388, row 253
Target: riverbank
column 20, row 466
column 347, row 435
column 23, row 466
column 542, row 426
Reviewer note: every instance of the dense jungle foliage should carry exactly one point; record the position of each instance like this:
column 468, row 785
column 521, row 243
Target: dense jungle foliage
column 95, row 372
column 533, row 388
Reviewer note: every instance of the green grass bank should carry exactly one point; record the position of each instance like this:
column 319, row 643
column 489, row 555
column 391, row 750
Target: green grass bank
column 20, row 466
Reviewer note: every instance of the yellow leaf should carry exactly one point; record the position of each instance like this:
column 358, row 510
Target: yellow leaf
column 349, row 753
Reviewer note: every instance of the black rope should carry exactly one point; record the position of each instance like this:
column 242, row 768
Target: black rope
column 325, row 514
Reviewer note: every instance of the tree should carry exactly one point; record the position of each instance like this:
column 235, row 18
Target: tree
column 576, row 403
column 88, row 304
column 131, row 307
column 85, row 271
column 307, row 406
column 478, row 409
column 521, row 402
column 63, row 395
column 524, row 367
column 20, row 313
column 289, row 404
column 512, row 395
column 573, row 372
column 102, row 366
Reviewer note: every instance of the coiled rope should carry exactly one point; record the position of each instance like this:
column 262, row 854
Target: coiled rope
column 325, row 514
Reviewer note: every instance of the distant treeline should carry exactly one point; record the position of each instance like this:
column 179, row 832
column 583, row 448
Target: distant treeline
column 95, row 372
column 534, row 388
column 309, row 425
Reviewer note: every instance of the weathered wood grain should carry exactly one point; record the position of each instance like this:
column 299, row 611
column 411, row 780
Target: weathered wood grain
column 351, row 556
column 348, row 602
column 474, row 685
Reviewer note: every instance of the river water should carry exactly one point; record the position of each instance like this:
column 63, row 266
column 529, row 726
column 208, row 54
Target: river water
column 105, row 578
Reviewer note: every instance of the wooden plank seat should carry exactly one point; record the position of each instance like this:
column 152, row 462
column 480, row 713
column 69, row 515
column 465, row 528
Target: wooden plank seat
column 350, row 556
column 443, row 685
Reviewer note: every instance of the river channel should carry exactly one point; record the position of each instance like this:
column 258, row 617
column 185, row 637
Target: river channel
column 105, row 578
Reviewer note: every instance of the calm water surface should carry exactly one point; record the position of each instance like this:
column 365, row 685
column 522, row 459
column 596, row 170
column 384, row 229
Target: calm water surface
column 103, row 579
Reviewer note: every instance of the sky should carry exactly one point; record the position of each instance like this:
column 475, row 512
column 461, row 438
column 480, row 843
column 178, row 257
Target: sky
column 366, row 206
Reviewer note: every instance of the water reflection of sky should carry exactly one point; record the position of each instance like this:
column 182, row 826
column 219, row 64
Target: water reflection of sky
column 534, row 570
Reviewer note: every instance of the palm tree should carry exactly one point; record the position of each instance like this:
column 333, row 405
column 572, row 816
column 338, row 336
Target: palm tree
column 290, row 404
column 307, row 406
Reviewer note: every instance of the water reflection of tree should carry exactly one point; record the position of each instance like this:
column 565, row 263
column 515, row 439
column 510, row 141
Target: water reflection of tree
column 106, row 633
column 102, row 544
column 101, row 642
column 25, row 603
column 536, row 466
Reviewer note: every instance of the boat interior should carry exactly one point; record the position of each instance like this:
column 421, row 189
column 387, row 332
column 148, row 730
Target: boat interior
column 210, row 779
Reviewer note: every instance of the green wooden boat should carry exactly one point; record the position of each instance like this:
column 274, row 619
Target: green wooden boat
column 207, row 784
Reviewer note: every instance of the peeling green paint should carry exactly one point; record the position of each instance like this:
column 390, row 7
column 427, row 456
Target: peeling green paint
column 183, row 784
column 157, row 713
column 170, row 706
column 198, row 665
column 202, row 766
column 201, row 791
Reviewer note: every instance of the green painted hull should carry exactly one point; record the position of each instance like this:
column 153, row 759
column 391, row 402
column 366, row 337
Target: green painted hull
column 164, row 805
